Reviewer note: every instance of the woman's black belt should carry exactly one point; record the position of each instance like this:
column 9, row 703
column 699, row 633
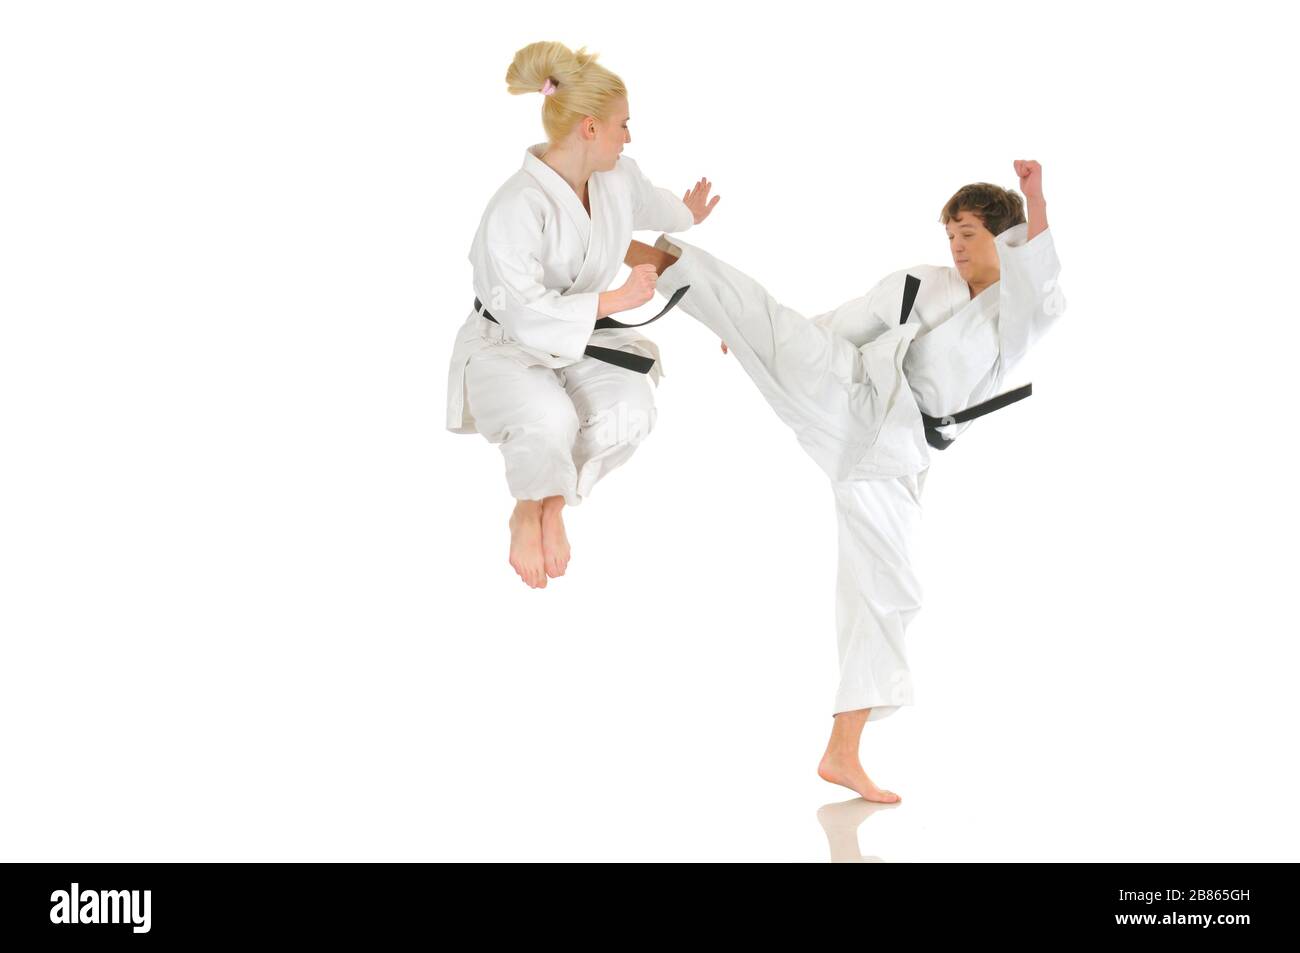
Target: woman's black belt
column 932, row 436
column 633, row 362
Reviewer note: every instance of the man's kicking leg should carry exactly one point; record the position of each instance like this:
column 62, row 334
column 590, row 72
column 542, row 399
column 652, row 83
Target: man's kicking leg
column 850, row 407
column 799, row 367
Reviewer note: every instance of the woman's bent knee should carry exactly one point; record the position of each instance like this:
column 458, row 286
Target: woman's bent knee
column 626, row 423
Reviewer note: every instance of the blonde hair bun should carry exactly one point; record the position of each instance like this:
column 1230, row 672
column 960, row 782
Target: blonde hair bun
column 582, row 86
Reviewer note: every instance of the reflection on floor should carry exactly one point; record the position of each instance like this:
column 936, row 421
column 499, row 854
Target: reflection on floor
column 841, row 821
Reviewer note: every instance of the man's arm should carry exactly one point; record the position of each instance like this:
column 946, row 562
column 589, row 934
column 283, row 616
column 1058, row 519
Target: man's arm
column 1030, row 299
column 1031, row 187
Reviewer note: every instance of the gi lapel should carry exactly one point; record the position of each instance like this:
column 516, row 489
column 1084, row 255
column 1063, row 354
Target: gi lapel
column 561, row 192
column 590, row 227
column 590, row 274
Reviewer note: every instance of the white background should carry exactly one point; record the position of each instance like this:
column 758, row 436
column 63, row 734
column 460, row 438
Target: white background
column 255, row 598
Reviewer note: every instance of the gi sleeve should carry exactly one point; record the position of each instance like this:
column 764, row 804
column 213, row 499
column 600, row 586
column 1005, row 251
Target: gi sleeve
column 857, row 320
column 508, row 278
column 653, row 208
column 1030, row 298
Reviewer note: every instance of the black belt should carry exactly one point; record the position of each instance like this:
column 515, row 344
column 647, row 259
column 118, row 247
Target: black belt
column 932, row 435
column 633, row 362
column 940, row 442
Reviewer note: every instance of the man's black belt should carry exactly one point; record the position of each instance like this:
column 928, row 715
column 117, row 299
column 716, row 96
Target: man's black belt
column 940, row 442
column 932, row 436
column 633, row 362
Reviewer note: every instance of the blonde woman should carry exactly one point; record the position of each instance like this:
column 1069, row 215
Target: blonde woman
column 567, row 399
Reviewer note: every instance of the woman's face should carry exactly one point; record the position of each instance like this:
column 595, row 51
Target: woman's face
column 974, row 248
column 610, row 136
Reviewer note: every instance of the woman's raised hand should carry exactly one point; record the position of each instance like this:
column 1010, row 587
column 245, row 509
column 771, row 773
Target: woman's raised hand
column 697, row 200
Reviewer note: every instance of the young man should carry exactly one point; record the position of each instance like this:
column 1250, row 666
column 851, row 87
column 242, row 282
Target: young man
column 857, row 385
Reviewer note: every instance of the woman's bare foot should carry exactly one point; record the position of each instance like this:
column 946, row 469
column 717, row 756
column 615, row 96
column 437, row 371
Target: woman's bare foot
column 840, row 764
column 526, row 543
column 639, row 253
column 555, row 543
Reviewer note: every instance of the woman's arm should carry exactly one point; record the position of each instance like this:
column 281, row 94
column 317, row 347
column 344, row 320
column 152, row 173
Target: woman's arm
column 636, row 291
column 658, row 209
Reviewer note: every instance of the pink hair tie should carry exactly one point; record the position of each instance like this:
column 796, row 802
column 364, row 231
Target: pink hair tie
column 548, row 87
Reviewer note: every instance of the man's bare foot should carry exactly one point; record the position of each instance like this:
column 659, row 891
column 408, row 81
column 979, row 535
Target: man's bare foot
column 847, row 770
column 639, row 253
column 526, row 543
column 840, row 764
column 555, row 543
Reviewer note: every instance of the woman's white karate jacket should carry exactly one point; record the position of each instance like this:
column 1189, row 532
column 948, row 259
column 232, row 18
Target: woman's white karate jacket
column 540, row 263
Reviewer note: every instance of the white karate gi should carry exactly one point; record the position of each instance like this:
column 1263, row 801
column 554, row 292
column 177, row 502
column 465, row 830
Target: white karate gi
column 852, row 384
column 562, row 420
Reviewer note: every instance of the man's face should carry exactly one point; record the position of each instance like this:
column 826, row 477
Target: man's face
column 974, row 250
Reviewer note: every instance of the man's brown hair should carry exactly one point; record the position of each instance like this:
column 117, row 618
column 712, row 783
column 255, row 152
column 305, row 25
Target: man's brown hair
column 997, row 208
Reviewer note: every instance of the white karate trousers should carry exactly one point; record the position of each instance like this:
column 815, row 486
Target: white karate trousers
column 823, row 388
column 877, row 593
column 559, row 430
